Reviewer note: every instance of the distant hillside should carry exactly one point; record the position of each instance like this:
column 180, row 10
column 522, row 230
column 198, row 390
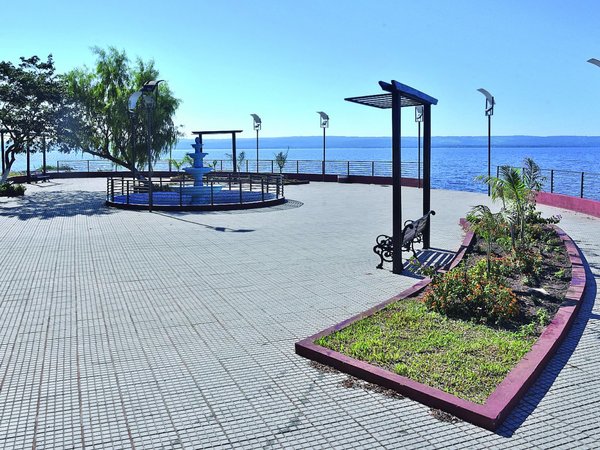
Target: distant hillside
column 383, row 142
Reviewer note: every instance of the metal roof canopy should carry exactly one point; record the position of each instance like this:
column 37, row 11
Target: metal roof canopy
column 233, row 141
column 397, row 97
column 408, row 97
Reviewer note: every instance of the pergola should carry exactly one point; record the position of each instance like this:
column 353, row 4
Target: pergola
column 398, row 96
column 233, row 142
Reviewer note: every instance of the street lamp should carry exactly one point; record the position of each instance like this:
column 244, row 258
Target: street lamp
column 145, row 92
column 419, row 119
column 257, row 126
column 489, row 112
column 324, row 122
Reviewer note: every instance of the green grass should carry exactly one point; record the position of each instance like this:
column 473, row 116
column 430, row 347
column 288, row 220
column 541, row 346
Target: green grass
column 462, row 358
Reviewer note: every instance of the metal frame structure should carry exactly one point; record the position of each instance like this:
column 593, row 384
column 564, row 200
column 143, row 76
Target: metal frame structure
column 233, row 142
column 398, row 96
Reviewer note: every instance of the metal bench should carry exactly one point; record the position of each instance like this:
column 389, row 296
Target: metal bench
column 38, row 176
column 411, row 233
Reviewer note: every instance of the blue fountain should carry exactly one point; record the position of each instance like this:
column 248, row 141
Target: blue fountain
column 199, row 192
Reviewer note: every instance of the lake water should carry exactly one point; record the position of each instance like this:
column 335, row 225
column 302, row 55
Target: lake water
column 452, row 167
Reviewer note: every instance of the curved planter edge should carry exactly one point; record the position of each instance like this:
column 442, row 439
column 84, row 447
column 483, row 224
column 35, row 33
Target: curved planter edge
column 507, row 394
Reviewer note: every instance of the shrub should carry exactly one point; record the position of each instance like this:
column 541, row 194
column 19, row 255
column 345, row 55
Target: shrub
column 11, row 190
column 473, row 294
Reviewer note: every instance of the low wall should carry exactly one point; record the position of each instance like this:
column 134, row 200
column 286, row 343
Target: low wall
column 583, row 205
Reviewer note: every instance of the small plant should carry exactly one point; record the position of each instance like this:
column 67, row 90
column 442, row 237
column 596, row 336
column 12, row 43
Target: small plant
column 241, row 157
column 560, row 274
column 11, row 190
column 281, row 159
column 213, row 164
column 177, row 164
column 472, row 294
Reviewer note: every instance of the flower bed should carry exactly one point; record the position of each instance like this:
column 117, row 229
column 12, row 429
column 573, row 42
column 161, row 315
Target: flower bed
column 488, row 411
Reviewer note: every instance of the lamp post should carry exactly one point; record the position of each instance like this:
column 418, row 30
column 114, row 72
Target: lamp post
column 257, row 126
column 147, row 89
column 324, row 122
column 489, row 112
column 419, row 119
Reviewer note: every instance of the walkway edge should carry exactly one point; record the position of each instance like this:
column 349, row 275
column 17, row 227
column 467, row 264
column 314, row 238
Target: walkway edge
column 508, row 393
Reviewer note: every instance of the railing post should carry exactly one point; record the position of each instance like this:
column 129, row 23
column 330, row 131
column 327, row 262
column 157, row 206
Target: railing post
column 581, row 192
column 57, row 166
column 262, row 188
column 272, row 166
column 181, row 191
column 127, row 191
column 88, row 166
column 372, row 168
column 241, row 196
column 212, row 193
column 297, row 166
column 497, row 171
column 221, row 165
column 348, row 169
column 551, row 181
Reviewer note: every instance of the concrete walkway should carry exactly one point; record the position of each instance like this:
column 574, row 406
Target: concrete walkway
column 122, row 329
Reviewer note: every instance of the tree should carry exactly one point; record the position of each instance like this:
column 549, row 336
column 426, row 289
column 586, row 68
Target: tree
column 101, row 123
column 31, row 105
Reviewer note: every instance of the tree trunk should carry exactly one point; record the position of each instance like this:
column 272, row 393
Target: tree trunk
column 9, row 159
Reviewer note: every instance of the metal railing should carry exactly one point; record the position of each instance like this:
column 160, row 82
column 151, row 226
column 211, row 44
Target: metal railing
column 567, row 182
column 219, row 189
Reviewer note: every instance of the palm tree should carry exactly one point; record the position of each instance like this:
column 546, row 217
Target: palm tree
column 511, row 188
column 487, row 225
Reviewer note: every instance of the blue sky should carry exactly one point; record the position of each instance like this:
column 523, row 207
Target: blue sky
column 285, row 60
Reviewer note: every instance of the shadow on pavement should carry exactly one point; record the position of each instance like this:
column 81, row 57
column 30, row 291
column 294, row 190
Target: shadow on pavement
column 546, row 379
column 46, row 205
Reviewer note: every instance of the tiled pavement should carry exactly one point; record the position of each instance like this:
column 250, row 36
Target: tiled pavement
column 122, row 329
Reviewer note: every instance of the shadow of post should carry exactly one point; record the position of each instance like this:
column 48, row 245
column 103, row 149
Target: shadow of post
column 546, row 379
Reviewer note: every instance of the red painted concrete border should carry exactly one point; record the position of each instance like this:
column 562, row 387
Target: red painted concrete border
column 508, row 393
column 583, row 205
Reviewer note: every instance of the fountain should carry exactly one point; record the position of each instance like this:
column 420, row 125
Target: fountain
column 239, row 191
column 199, row 192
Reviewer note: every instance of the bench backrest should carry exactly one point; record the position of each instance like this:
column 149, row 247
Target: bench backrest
column 413, row 229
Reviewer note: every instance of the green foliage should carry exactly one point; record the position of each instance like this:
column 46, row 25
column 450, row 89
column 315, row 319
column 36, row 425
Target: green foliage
column 241, row 157
column 11, row 190
column 31, row 105
column 176, row 163
column 487, row 225
column 473, row 294
column 462, row 358
column 281, row 159
column 101, row 124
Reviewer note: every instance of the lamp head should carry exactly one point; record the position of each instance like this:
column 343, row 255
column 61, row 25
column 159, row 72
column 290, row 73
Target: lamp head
column 594, row 61
column 257, row 121
column 324, row 119
column 489, row 102
column 150, row 86
column 419, row 113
